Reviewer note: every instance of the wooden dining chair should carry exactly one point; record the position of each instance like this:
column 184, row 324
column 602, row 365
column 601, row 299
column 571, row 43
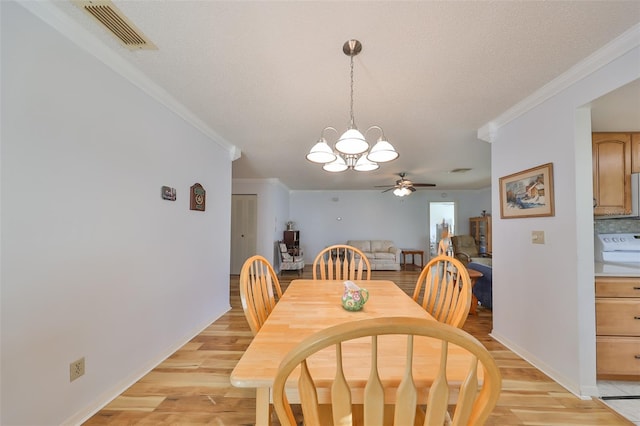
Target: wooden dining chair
column 476, row 397
column 444, row 246
column 341, row 262
column 444, row 290
column 257, row 282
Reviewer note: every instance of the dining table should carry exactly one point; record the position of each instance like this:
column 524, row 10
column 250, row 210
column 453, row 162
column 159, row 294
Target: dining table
column 308, row 306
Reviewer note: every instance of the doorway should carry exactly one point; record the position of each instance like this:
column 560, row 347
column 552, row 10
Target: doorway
column 244, row 227
column 442, row 216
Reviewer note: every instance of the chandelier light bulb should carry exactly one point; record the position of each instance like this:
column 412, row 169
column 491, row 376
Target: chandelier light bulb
column 365, row 165
column 321, row 152
column 339, row 165
column 382, row 152
column 352, row 142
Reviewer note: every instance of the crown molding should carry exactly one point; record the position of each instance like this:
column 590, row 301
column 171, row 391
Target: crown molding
column 53, row 16
column 622, row 44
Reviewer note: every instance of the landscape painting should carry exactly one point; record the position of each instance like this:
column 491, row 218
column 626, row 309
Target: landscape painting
column 528, row 193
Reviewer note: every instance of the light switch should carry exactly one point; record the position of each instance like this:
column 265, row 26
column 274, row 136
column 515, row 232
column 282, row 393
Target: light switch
column 537, row 237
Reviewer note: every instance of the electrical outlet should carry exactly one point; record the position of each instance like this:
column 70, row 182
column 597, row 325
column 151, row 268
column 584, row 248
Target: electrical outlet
column 76, row 369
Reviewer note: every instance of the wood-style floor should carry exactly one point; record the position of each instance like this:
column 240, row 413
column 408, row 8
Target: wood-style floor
column 192, row 386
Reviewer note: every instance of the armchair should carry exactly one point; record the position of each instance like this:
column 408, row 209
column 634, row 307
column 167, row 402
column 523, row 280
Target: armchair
column 290, row 262
column 465, row 250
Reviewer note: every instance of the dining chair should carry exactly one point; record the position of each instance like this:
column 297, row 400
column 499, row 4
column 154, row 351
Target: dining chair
column 475, row 401
column 444, row 290
column 444, row 246
column 257, row 282
column 341, row 262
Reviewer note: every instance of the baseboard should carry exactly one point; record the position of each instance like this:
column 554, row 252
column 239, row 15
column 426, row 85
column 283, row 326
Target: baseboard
column 584, row 393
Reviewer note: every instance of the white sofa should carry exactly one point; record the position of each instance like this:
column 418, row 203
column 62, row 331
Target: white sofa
column 382, row 254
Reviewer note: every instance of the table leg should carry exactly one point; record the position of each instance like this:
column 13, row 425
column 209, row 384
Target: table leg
column 474, row 299
column 263, row 415
column 474, row 305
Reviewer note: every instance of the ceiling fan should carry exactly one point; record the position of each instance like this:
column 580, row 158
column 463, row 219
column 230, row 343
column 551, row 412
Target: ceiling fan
column 404, row 186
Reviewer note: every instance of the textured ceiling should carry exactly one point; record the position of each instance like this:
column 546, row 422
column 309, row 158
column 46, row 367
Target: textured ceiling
column 269, row 76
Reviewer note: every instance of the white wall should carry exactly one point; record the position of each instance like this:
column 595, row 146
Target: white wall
column 273, row 212
column 332, row 217
column 94, row 263
column 544, row 294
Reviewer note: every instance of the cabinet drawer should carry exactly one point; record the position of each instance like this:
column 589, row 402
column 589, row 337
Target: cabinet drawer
column 618, row 356
column 618, row 317
column 617, row 287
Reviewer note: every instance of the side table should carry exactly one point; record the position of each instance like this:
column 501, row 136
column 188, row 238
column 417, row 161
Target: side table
column 413, row 254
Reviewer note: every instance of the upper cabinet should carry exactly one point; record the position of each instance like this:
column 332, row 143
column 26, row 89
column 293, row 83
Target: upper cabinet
column 635, row 152
column 612, row 165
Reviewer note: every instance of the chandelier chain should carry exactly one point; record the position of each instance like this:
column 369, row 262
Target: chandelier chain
column 353, row 124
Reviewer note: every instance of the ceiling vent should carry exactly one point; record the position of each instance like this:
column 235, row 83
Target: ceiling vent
column 106, row 13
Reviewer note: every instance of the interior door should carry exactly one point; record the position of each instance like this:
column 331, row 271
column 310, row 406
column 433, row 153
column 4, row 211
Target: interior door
column 244, row 227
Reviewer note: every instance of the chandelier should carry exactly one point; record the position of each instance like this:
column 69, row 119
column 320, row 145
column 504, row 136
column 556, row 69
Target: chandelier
column 351, row 150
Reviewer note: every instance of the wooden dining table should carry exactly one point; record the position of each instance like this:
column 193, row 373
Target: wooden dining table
column 308, row 306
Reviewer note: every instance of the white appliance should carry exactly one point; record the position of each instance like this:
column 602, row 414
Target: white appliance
column 635, row 199
column 619, row 248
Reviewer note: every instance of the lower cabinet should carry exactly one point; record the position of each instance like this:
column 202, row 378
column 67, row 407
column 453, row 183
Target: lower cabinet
column 618, row 327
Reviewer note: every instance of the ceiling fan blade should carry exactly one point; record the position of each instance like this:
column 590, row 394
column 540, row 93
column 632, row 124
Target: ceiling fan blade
column 411, row 188
column 388, row 189
column 424, row 185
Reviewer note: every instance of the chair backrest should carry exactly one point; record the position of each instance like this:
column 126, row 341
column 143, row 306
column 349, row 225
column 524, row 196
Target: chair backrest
column 284, row 253
column 445, row 244
column 341, row 262
column 445, row 288
column 257, row 282
column 474, row 403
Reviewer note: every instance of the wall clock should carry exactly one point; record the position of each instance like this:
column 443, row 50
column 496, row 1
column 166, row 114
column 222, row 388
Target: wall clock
column 198, row 197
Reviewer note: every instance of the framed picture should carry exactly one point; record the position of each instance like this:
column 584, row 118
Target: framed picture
column 528, row 193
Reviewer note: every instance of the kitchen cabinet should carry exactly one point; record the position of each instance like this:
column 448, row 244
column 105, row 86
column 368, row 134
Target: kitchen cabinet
column 480, row 230
column 611, row 173
column 635, row 152
column 618, row 328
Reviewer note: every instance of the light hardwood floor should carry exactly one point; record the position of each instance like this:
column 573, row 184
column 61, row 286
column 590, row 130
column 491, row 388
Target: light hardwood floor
column 192, row 386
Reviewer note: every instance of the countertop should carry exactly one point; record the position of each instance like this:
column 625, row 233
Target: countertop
column 611, row 269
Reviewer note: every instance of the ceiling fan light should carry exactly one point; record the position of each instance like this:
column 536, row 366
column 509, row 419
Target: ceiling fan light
column 401, row 192
column 339, row 165
column 352, row 142
column 365, row 165
column 321, row 152
column 382, row 152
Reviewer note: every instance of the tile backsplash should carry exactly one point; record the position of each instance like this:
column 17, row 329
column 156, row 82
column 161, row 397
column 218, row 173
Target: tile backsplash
column 612, row 226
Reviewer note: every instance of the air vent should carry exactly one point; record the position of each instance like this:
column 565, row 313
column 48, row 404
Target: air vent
column 461, row 170
column 105, row 12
